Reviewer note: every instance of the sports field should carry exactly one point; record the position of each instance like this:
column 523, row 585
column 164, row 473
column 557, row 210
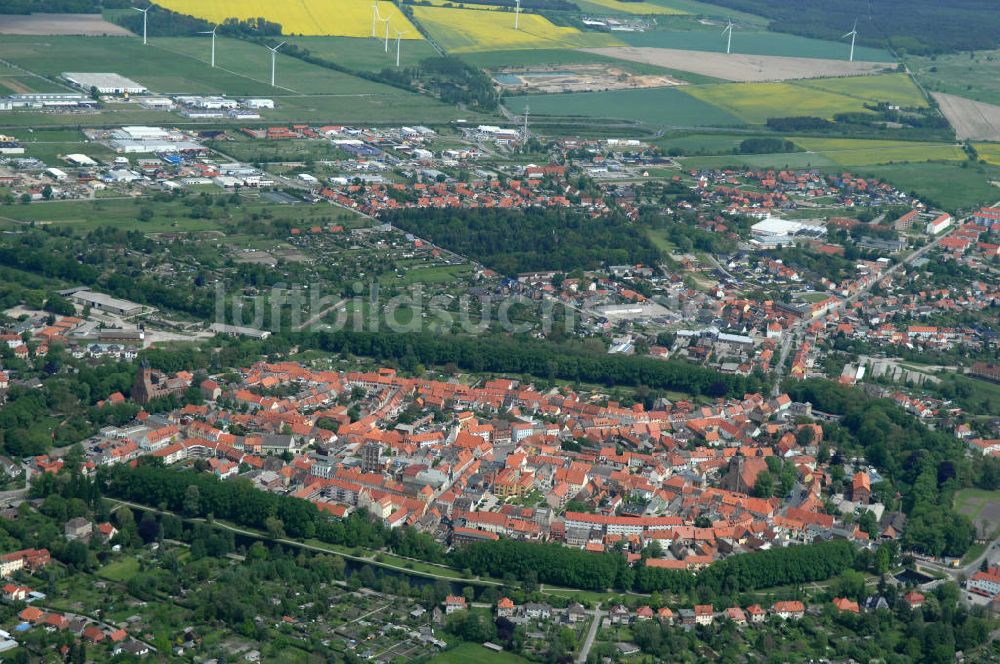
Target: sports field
column 660, row 107
column 754, row 103
column 859, row 152
column 345, row 18
column 470, row 30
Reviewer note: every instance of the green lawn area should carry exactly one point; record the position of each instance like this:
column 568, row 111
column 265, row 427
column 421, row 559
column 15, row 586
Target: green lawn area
column 120, row 570
column 467, row 653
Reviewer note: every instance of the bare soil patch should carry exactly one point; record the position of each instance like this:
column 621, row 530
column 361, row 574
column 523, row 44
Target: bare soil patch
column 59, row 24
column 740, row 67
column 973, row 120
column 579, row 78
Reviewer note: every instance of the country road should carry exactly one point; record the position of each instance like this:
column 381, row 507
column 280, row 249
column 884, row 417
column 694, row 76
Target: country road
column 588, row 643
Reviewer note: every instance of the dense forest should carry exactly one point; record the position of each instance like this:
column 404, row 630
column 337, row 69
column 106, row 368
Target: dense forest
column 916, row 26
column 926, row 466
column 513, row 241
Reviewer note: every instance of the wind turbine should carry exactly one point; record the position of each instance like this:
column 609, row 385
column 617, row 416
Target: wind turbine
column 274, row 55
column 375, row 17
column 517, row 13
column 211, row 32
column 853, row 34
column 145, row 15
column 398, row 35
column 387, row 34
column 729, row 41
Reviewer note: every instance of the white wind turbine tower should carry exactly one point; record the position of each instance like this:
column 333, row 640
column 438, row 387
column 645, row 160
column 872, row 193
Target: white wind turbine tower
column 398, row 35
column 386, row 34
column 853, row 34
column 729, row 41
column 145, row 15
column 517, row 13
column 211, row 32
column 274, row 55
column 375, row 17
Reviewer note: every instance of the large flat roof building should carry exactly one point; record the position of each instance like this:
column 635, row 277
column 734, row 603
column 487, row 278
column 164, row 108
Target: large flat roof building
column 107, row 303
column 106, row 83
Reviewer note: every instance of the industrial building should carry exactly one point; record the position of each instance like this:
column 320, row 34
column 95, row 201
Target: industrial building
column 103, row 302
column 105, row 83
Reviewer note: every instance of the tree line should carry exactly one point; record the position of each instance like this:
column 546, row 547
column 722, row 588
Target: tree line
column 527, row 356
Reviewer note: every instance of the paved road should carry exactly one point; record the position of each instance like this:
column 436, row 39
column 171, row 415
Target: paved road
column 591, row 634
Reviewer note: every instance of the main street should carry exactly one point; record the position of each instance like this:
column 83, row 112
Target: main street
column 793, row 336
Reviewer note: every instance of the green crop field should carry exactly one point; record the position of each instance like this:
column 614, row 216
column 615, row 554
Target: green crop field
column 751, row 42
column 365, row 54
column 822, row 97
column 659, row 107
column 895, row 88
column 780, row 160
column 859, row 152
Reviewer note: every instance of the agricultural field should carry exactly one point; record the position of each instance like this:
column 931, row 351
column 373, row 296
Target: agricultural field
column 470, row 30
column 365, row 54
column 638, row 8
column 659, row 107
column 343, row 18
column 59, row 24
column 739, row 67
column 988, row 152
column 698, row 37
column 972, row 75
column 159, row 67
column 860, row 152
column 307, row 92
column 973, row 120
column 754, row 103
column 896, row 88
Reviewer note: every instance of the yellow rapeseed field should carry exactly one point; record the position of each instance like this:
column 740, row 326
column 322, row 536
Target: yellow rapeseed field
column 988, row 152
column 465, row 30
column 341, row 18
column 642, row 8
